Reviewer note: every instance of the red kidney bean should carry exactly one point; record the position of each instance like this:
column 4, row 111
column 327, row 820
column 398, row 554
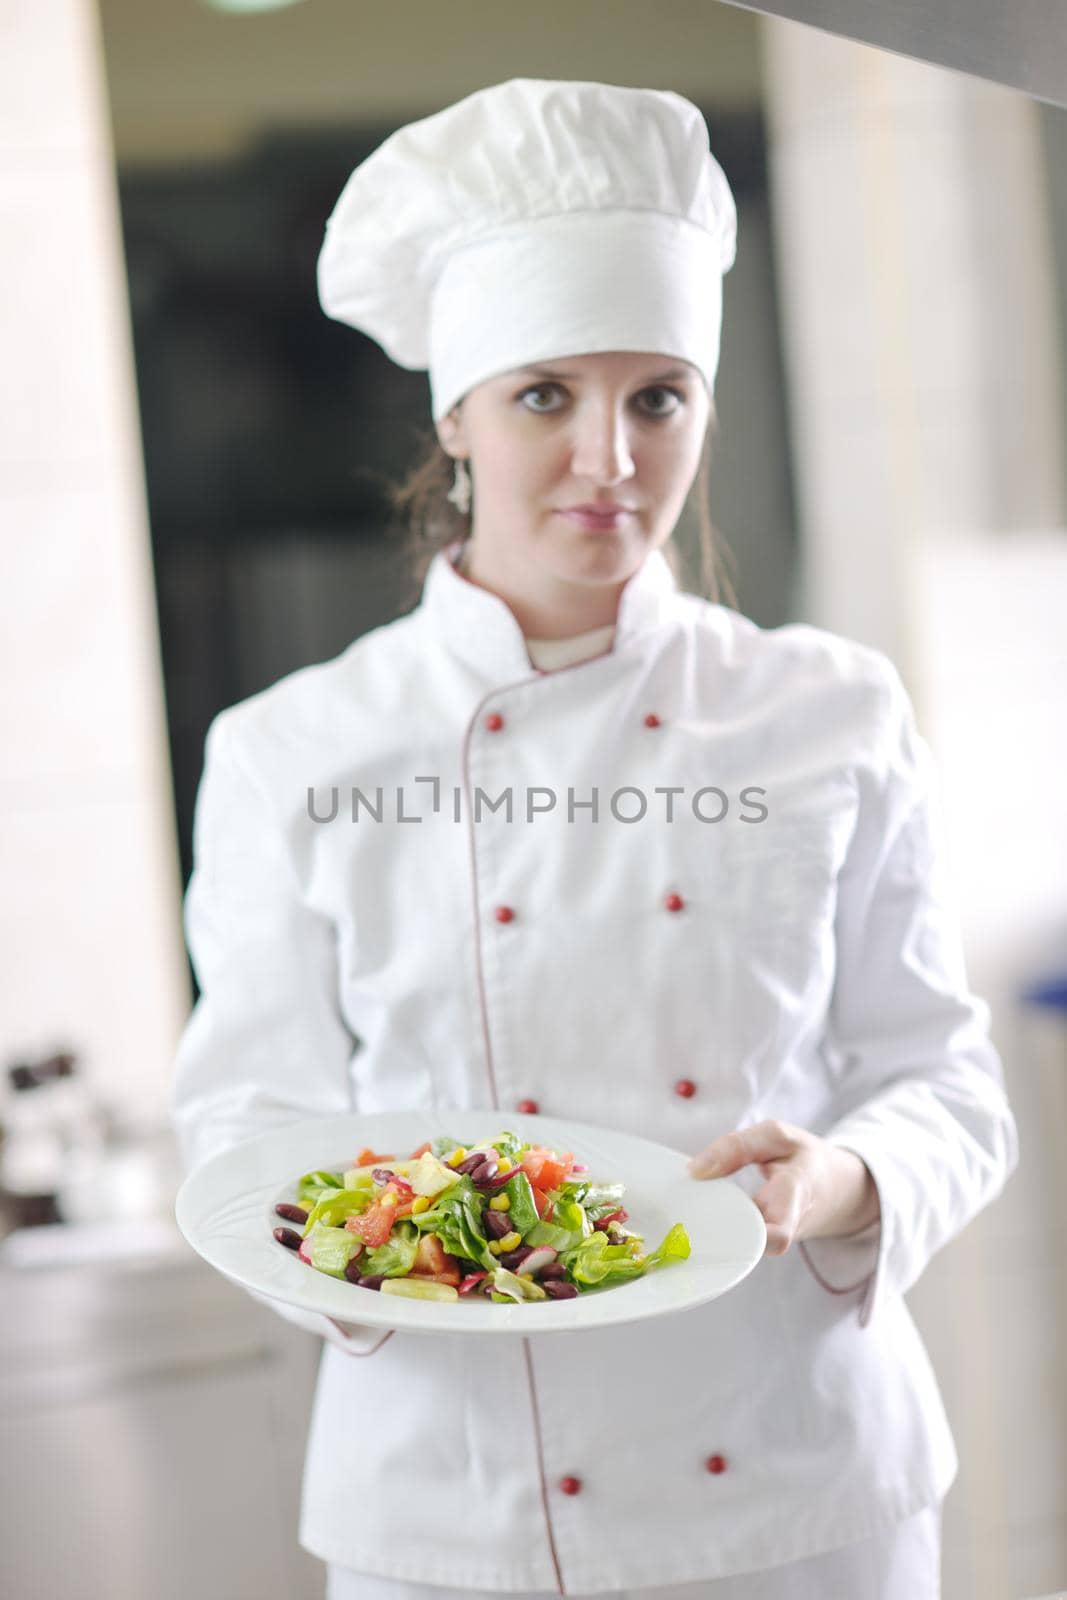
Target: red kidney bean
column 286, row 1236
column 514, row 1258
column 352, row 1272
column 372, row 1281
column 496, row 1223
column 472, row 1162
column 485, row 1173
column 555, row 1269
column 291, row 1213
column 560, row 1291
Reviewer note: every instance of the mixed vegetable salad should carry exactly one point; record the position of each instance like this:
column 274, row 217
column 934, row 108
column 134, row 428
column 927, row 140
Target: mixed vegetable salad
column 503, row 1218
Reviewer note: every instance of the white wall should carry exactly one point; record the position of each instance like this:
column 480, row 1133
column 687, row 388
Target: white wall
column 920, row 302
column 90, row 939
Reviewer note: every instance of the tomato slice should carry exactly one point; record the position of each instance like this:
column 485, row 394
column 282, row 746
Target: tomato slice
column 541, row 1200
column 546, row 1170
column 374, row 1224
column 371, row 1158
column 433, row 1261
column 421, row 1151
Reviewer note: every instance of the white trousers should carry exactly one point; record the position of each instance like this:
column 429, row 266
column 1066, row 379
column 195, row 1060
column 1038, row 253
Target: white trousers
column 903, row 1564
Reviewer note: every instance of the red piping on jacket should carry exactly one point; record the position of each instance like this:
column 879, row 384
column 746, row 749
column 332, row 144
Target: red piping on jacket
column 361, row 1353
column 494, row 1095
column 861, row 1283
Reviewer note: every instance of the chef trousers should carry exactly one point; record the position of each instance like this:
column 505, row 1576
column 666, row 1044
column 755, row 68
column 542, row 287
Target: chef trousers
column 903, row 1563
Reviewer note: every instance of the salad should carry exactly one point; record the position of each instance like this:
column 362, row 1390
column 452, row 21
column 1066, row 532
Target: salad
column 506, row 1219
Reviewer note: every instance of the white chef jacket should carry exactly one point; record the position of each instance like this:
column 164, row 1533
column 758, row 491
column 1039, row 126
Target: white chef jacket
column 420, row 948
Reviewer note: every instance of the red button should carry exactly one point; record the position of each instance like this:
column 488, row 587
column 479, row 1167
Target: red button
column 716, row 1464
column 530, row 1107
column 504, row 913
column 570, row 1485
column 686, row 1088
column 674, row 902
column 494, row 722
column 652, row 721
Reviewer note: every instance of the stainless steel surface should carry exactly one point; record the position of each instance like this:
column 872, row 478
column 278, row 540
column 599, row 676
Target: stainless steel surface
column 1021, row 43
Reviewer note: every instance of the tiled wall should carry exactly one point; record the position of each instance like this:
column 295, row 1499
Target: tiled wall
column 90, row 938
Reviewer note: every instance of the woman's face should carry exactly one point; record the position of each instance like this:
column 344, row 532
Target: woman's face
column 618, row 430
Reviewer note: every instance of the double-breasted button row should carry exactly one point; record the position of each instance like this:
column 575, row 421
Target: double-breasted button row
column 671, row 902
column 571, row 1485
column 493, row 721
column 685, row 1088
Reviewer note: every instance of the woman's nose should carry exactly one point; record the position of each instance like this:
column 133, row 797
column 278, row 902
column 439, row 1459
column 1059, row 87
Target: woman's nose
column 601, row 450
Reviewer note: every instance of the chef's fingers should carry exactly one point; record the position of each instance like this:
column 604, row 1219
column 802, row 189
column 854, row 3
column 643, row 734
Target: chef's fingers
column 783, row 1201
column 764, row 1141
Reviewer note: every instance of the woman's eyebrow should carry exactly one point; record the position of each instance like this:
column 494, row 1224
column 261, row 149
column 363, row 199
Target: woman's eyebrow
column 670, row 376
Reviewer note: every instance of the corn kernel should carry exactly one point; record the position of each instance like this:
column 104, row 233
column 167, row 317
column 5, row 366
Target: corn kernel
column 456, row 1157
column 420, row 1203
column 510, row 1241
column 504, row 1163
column 389, row 1199
column 495, row 1247
column 500, row 1202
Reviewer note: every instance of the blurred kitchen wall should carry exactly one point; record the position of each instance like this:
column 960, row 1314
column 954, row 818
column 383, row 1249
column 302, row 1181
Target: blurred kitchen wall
column 918, row 223
column 91, row 947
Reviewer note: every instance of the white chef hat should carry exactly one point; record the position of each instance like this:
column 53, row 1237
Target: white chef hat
column 530, row 221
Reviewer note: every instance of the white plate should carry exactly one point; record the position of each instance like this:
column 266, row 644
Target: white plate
column 226, row 1211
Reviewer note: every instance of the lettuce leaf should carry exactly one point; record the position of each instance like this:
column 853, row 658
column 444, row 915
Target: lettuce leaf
column 596, row 1261
column 331, row 1249
column 335, row 1205
column 516, row 1288
column 522, row 1210
column 311, row 1185
column 396, row 1257
column 456, row 1218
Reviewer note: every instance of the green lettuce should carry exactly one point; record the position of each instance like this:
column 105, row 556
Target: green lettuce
column 456, row 1218
column 596, row 1261
column 396, row 1257
column 331, row 1249
column 312, row 1184
column 522, row 1212
column 510, row 1285
column 335, row 1205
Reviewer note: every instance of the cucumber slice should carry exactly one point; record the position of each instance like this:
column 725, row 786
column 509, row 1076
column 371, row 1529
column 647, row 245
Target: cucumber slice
column 419, row 1289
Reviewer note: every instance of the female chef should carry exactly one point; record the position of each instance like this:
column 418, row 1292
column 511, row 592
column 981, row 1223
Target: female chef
column 713, row 911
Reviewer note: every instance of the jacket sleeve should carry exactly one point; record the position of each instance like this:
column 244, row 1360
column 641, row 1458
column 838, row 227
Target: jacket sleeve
column 921, row 1088
column 266, row 1043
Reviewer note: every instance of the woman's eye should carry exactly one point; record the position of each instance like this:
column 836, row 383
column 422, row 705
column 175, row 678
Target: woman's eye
column 664, row 394
column 539, row 388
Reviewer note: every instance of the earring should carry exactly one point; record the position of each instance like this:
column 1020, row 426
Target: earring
column 460, row 493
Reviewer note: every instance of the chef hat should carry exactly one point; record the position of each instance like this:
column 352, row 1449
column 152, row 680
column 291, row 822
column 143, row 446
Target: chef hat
column 530, row 221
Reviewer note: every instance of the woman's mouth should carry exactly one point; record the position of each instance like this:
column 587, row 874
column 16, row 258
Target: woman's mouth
column 604, row 521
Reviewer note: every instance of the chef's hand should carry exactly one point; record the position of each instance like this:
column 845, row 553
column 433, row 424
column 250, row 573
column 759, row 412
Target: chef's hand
column 814, row 1189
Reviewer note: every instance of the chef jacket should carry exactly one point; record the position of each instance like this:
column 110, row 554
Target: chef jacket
column 718, row 895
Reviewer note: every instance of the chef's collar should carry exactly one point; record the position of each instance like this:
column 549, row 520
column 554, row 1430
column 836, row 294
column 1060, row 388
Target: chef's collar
column 478, row 626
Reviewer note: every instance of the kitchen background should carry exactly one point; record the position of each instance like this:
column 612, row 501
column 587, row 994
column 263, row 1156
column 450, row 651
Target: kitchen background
column 192, row 502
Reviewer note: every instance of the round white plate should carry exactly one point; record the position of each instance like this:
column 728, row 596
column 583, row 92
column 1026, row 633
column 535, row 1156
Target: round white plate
column 226, row 1211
